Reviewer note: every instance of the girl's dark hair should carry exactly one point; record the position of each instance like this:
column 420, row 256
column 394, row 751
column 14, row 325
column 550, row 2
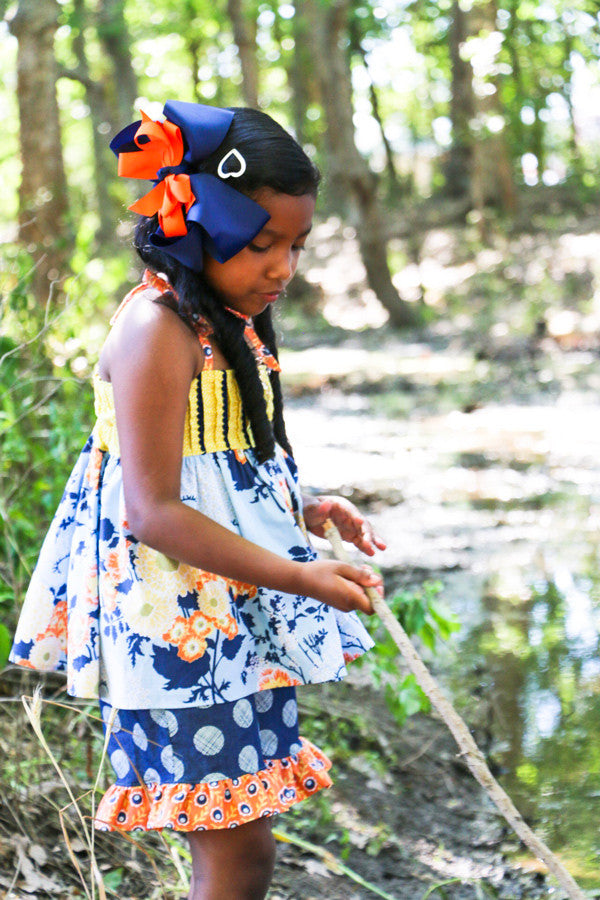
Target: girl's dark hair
column 273, row 160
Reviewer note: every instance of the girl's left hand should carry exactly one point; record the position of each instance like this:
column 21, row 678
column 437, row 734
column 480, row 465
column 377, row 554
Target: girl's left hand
column 351, row 524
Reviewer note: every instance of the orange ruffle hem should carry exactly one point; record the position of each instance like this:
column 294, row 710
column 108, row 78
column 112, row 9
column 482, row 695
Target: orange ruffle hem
column 216, row 804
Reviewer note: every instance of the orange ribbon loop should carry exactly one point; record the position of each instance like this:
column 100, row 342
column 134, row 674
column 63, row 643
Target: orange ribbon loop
column 167, row 199
column 160, row 143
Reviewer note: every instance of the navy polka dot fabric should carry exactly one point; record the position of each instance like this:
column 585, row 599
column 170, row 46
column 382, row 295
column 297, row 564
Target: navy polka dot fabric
column 195, row 745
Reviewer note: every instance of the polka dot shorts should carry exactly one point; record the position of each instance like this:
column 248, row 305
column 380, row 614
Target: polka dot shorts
column 215, row 767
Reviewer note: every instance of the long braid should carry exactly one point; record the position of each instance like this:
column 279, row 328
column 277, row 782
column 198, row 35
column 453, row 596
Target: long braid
column 263, row 325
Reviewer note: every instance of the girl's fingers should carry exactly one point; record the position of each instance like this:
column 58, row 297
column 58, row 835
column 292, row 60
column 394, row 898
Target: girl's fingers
column 368, row 541
column 365, row 577
column 362, row 602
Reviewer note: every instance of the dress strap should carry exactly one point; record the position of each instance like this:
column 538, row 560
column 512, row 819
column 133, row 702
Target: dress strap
column 203, row 329
column 261, row 353
column 149, row 280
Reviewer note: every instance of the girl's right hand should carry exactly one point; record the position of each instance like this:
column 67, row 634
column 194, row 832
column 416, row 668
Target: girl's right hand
column 340, row 584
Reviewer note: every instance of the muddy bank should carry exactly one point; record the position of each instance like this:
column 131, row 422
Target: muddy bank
column 406, row 815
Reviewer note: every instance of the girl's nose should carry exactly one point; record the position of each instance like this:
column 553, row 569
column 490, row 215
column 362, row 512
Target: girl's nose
column 282, row 266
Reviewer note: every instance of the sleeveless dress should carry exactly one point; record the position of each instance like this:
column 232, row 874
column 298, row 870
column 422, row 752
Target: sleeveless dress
column 195, row 673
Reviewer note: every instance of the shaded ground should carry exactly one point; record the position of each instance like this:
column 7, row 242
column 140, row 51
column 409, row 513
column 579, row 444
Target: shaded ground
column 404, row 814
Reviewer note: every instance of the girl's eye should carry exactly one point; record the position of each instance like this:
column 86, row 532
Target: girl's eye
column 256, row 249
column 297, row 248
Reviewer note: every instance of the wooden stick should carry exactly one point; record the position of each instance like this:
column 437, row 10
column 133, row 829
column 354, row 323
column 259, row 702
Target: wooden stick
column 469, row 750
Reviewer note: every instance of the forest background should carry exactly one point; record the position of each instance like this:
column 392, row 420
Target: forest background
column 472, row 126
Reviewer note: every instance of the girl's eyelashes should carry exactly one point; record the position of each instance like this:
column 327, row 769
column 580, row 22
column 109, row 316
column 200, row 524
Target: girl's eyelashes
column 297, row 248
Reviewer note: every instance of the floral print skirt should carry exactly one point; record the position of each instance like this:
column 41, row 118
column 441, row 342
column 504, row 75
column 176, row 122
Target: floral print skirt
column 201, row 768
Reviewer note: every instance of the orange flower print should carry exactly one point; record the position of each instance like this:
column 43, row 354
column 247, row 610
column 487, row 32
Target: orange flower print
column 240, row 456
column 177, row 631
column 272, row 678
column 189, row 636
column 229, row 627
column 92, row 473
column 198, row 624
column 192, row 648
column 58, row 622
column 115, row 565
column 240, row 587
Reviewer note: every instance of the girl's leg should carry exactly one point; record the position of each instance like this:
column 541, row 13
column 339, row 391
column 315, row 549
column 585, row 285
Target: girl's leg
column 232, row 863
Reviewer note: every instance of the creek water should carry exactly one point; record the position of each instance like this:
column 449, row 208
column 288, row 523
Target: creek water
column 484, row 475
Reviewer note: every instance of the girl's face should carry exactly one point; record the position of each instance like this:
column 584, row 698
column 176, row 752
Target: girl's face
column 257, row 275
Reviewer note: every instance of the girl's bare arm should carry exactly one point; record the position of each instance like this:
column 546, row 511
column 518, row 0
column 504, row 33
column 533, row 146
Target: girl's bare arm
column 151, row 358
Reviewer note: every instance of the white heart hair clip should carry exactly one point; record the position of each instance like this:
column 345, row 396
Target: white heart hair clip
column 233, row 154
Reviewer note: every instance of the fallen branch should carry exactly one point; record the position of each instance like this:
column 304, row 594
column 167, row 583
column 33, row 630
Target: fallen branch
column 470, row 752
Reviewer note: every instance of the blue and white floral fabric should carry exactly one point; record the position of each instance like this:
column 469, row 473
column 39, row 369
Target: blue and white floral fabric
column 142, row 631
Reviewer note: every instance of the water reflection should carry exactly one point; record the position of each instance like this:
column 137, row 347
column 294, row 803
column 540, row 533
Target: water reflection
column 532, row 662
column 488, row 482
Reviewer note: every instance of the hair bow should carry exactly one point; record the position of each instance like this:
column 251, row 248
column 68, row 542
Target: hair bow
column 196, row 211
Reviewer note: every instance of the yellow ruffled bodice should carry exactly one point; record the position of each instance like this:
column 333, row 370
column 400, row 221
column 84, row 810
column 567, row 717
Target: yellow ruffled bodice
column 214, row 418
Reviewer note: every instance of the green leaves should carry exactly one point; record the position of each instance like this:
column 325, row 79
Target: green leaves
column 5, row 643
column 422, row 616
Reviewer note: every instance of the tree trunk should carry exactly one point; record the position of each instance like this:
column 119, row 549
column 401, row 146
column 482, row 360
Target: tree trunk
column 395, row 187
column 575, row 150
column 351, row 178
column 512, row 45
column 114, row 36
column 43, row 200
column 492, row 181
column 457, row 170
column 244, row 35
column 298, row 72
column 104, row 167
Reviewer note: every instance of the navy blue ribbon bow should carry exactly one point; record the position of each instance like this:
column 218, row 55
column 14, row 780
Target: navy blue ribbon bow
column 197, row 212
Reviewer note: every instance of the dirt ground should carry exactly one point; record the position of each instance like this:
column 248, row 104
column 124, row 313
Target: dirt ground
column 415, row 821
column 404, row 815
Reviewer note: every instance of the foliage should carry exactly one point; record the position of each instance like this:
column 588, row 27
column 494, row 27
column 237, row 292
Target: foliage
column 43, row 419
column 400, row 52
column 422, row 615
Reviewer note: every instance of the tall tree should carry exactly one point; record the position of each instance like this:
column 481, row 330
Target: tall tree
column 349, row 172
column 492, row 179
column 43, row 202
column 115, row 39
column 100, row 123
column 298, row 72
column 243, row 20
column 459, row 161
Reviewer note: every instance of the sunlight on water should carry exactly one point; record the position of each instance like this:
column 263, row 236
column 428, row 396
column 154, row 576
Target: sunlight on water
column 502, row 504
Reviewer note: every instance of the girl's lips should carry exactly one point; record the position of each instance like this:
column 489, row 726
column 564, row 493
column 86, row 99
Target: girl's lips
column 271, row 296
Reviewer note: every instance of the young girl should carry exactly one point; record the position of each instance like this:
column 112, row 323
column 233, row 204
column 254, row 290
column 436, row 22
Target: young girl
column 177, row 582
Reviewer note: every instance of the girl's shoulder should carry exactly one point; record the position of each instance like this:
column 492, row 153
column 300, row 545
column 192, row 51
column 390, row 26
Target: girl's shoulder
column 148, row 321
column 156, row 287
